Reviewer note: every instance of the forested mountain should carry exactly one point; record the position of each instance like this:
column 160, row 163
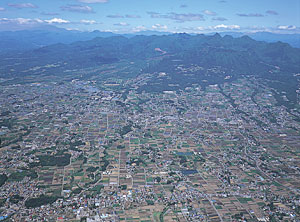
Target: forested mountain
column 239, row 54
column 14, row 41
column 187, row 59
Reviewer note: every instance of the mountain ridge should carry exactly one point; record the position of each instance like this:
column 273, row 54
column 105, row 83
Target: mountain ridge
column 14, row 41
column 206, row 60
column 144, row 47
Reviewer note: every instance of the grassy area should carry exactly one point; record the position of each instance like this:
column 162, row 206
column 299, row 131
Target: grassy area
column 244, row 200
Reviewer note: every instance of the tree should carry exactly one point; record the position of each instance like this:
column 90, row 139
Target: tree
column 39, row 201
column 3, row 179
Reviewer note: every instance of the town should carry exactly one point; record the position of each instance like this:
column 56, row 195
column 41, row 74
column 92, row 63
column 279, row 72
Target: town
column 72, row 151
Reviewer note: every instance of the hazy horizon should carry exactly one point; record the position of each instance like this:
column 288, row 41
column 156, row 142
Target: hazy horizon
column 167, row 16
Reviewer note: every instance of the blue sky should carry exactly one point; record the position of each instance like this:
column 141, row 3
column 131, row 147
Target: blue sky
column 124, row 16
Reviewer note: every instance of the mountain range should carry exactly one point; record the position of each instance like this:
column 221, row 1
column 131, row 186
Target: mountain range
column 13, row 41
column 184, row 60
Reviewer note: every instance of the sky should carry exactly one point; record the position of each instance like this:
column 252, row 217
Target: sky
column 127, row 16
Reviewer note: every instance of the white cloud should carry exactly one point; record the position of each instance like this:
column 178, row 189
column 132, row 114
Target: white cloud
column 122, row 16
column 93, row 1
column 132, row 16
column 250, row 15
column 121, row 24
column 286, row 27
column 14, row 24
column 7, row 24
column 200, row 28
column 230, row 27
column 178, row 17
column 2, row 9
column 72, row 29
column 88, row 22
column 37, row 21
column 20, row 21
column 272, row 12
column 159, row 26
column 207, row 12
column 57, row 21
column 49, row 13
column 219, row 19
column 23, row 5
column 77, row 8
column 139, row 28
column 115, row 16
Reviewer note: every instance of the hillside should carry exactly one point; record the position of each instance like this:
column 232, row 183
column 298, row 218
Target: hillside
column 186, row 59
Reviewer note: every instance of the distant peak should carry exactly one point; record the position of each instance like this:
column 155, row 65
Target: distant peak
column 217, row 35
column 228, row 37
column 182, row 35
column 246, row 37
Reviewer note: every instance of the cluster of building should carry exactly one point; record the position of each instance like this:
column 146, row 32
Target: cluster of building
column 223, row 153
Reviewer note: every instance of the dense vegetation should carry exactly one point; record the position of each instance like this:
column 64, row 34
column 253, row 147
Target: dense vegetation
column 3, row 179
column 2, row 202
column 126, row 129
column 55, row 160
column 39, row 201
column 92, row 169
column 77, row 190
column 15, row 199
column 19, row 175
